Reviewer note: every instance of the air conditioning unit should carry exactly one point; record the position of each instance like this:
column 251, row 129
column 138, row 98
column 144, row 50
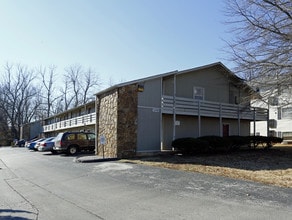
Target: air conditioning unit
column 272, row 123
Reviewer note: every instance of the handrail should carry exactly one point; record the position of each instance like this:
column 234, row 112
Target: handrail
column 188, row 106
column 88, row 119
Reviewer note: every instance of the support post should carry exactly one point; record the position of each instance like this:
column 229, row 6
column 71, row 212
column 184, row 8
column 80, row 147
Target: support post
column 268, row 119
column 254, row 121
column 238, row 115
column 174, row 107
column 220, row 119
column 199, row 117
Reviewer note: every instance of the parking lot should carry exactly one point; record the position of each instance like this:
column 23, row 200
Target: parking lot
column 40, row 185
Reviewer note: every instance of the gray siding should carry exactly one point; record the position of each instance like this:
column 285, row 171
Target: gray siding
column 188, row 127
column 216, row 84
column 149, row 103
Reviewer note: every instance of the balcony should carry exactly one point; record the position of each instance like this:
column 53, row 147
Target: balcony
column 81, row 121
column 187, row 106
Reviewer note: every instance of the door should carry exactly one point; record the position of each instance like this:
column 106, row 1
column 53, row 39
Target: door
column 225, row 130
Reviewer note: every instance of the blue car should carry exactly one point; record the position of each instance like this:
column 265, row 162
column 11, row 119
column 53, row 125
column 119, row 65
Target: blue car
column 31, row 145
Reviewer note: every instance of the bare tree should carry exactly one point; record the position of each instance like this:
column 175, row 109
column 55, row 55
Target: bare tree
column 89, row 86
column 261, row 46
column 64, row 103
column 81, row 84
column 19, row 100
column 49, row 95
column 73, row 75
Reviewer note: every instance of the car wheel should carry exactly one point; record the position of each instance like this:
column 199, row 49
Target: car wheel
column 53, row 152
column 72, row 150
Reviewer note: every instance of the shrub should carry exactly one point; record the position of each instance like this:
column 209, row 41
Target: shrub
column 265, row 141
column 190, row 145
column 238, row 141
column 217, row 143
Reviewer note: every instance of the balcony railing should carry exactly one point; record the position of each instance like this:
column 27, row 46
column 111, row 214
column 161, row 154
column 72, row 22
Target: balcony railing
column 187, row 106
column 81, row 121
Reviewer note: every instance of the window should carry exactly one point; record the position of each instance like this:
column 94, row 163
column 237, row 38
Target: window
column 287, row 113
column 287, row 135
column 70, row 137
column 199, row 93
column 91, row 136
column 81, row 136
column 279, row 113
column 273, row 101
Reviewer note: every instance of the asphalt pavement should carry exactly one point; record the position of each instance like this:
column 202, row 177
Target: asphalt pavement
column 36, row 185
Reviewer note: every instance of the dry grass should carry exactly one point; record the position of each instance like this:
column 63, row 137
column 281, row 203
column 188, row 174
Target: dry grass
column 273, row 166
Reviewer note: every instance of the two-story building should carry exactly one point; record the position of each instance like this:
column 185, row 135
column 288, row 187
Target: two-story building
column 81, row 118
column 279, row 102
column 145, row 115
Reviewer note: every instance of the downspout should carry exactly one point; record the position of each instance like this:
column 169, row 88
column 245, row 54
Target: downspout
column 220, row 119
column 96, row 124
column 254, row 121
column 199, row 117
column 268, row 119
column 238, row 115
column 161, row 117
column 174, row 107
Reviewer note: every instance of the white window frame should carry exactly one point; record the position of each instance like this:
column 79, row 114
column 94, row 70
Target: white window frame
column 287, row 113
column 198, row 93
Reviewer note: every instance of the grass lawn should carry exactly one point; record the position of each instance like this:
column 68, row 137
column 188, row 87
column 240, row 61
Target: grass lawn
column 272, row 166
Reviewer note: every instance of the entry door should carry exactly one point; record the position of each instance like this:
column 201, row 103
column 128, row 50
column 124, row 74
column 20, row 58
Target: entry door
column 225, row 130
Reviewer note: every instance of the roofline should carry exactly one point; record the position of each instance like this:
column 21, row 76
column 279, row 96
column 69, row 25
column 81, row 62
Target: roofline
column 175, row 72
column 69, row 110
column 135, row 81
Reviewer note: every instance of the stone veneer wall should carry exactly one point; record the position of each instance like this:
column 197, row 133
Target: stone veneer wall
column 117, row 122
column 127, row 121
column 107, row 123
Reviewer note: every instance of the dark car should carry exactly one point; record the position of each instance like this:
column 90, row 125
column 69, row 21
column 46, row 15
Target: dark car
column 20, row 143
column 73, row 142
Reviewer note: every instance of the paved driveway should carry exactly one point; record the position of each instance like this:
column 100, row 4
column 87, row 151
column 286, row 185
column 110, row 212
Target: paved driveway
column 37, row 185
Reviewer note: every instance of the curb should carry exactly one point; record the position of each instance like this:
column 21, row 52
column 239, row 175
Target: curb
column 96, row 160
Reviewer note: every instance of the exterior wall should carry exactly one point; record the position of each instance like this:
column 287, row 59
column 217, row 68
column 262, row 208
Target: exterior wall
column 107, row 119
column 211, row 79
column 283, row 125
column 127, row 121
column 149, row 116
column 31, row 130
column 138, row 117
column 219, row 87
column 117, row 122
column 187, row 126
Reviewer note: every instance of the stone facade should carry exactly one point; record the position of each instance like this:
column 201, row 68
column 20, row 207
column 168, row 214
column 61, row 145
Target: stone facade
column 106, row 123
column 127, row 121
column 117, row 122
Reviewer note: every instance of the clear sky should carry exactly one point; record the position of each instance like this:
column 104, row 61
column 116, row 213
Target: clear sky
column 119, row 39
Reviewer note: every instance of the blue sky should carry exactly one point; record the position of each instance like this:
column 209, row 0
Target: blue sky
column 119, row 39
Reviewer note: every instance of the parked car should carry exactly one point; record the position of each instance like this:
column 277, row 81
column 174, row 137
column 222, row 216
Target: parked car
column 47, row 145
column 32, row 144
column 27, row 143
column 20, row 143
column 73, row 142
